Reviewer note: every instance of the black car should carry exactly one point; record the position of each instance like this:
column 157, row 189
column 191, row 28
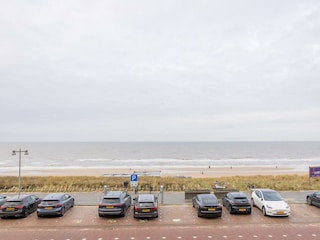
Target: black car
column 55, row 204
column 145, row 205
column 3, row 199
column 19, row 206
column 314, row 199
column 114, row 203
column 236, row 202
column 207, row 205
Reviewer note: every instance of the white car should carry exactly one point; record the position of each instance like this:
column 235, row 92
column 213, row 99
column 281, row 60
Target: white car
column 269, row 202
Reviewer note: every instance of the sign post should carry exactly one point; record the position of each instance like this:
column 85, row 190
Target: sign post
column 134, row 180
column 313, row 172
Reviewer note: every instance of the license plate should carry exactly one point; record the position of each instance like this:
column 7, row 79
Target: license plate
column 242, row 209
column 211, row 209
column 48, row 208
column 109, row 206
column 10, row 209
column 280, row 212
column 145, row 210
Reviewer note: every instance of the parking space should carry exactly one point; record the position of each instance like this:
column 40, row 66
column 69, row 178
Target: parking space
column 168, row 215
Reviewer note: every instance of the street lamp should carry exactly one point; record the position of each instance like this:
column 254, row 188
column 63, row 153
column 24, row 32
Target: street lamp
column 14, row 152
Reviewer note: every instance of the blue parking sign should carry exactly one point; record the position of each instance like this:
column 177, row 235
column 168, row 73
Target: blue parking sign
column 134, row 178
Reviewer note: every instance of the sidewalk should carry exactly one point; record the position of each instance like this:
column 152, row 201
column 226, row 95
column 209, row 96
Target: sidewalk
column 172, row 198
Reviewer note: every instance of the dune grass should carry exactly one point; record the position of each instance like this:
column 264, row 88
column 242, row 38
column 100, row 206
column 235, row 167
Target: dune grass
column 96, row 184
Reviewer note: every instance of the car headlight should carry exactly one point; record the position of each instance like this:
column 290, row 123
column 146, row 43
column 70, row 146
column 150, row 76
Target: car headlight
column 268, row 206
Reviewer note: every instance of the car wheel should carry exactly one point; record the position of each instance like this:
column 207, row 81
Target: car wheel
column 249, row 211
column 230, row 209
column 199, row 214
column 309, row 201
column 264, row 211
column 26, row 212
column 62, row 212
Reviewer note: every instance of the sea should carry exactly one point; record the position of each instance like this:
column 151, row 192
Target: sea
column 157, row 155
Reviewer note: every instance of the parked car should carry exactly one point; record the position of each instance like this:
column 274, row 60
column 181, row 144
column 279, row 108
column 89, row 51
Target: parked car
column 55, row 204
column 269, row 202
column 207, row 205
column 114, row 203
column 236, row 202
column 145, row 205
column 3, row 199
column 19, row 206
column 314, row 198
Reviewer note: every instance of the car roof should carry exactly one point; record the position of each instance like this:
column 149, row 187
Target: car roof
column 53, row 196
column 113, row 194
column 146, row 198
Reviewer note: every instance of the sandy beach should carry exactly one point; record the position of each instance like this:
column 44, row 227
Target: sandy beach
column 173, row 172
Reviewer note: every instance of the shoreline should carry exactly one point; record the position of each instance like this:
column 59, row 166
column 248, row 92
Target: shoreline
column 164, row 172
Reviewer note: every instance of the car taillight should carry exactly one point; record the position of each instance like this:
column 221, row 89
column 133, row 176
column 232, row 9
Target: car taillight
column 102, row 205
column 58, row 205
column 118, row 205
column 136, row 208
column 19, row 207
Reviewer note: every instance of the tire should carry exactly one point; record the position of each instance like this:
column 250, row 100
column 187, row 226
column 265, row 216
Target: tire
column 309, row 201
column 230, row 209
column 62, row 212
column 249, row 212
column 264, row 211
column 26, row 212
column 199, row 214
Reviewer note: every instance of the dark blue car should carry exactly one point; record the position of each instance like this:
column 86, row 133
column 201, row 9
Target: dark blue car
column 55, row 204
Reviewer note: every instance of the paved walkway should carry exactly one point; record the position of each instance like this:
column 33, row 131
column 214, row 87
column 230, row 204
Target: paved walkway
column 171, row 198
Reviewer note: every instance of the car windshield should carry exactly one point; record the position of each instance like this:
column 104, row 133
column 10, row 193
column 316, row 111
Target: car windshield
column 145, row 204
column 272, row 196
column 49, row 202
column 111, row 200
column 12, row 203
column 209, row 201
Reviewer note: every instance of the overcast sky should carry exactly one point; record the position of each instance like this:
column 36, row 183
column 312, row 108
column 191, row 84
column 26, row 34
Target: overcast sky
column 159, row 70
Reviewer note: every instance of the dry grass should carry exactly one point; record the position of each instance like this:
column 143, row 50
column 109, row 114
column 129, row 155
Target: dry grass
column 91, row 184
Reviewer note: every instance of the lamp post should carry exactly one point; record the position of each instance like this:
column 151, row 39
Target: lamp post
column 14, row 152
